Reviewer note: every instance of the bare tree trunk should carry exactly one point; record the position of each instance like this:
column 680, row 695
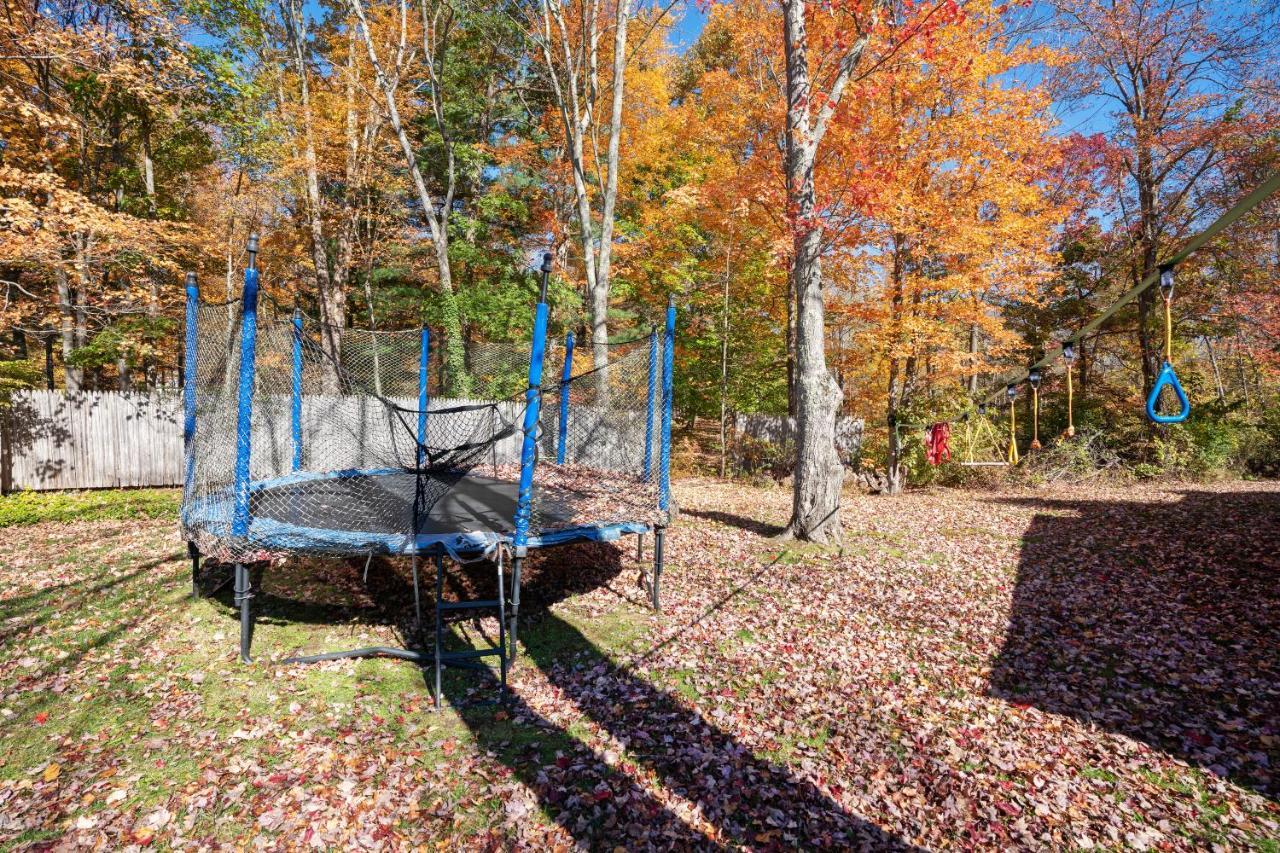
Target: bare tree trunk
column 332, row 300
column 455, row 367
column 572, row 70
column 74, row 376
column 1217, row 375
column 819, row 475
column 973, row 362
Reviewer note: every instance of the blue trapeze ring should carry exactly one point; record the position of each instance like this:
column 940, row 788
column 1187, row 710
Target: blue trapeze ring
column 1168, row 377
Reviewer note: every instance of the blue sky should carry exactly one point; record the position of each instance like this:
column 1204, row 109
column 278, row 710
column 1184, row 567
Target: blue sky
column 689, row 22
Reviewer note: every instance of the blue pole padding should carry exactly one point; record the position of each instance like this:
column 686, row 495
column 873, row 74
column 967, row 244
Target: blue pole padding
column 529, row 449
column 189, row 384
column 423, row 353
column 244, row 397
column 668, row 364
column 296, row 409
column 653, row 389
column 565, row 376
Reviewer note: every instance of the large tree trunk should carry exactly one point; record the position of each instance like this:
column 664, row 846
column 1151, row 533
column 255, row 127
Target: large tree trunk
column 819, row 476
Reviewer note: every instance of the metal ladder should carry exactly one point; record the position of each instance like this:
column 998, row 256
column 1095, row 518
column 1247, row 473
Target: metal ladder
column 470, row 658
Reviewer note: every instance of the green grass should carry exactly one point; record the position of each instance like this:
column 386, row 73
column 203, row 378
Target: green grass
column 23, row 508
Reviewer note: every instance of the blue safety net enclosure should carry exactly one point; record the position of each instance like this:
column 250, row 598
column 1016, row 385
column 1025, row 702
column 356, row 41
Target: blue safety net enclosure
column 305, row 439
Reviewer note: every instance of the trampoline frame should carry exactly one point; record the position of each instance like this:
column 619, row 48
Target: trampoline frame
column 276, row 535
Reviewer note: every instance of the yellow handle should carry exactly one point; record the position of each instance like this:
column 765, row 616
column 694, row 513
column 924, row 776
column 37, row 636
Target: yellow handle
column 1035, row 418
column 1168, row 330
column 1071, row 426
column 1013, row 434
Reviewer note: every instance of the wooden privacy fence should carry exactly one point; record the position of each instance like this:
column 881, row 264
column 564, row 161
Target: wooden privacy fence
column 91, row 440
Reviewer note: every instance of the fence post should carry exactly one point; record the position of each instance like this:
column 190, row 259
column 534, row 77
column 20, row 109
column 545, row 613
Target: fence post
column 653, row 388
column 668, row 363
column 295, row 411
column 565, row 376
column 244, row 398
column 423, row 363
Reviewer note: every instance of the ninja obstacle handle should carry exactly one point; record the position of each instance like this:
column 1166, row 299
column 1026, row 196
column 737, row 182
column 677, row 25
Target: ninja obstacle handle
column 244, row 395
column 533, row 405
column 1167, row 375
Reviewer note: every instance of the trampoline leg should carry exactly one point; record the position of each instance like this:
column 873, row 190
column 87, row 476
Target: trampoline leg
column 244, row 597
column 517, row 563
column 417, row 605
column 439, row 647
column 502, row 629
column 658, row 536
column 639, row 547
column 194, row 553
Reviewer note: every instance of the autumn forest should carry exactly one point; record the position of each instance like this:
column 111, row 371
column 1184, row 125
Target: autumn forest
column 868, row 208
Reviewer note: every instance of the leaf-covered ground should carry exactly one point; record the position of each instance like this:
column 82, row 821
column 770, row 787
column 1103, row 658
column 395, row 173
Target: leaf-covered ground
column 1060, row 669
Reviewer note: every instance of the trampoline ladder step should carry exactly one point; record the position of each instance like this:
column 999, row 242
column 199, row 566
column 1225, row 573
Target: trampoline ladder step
column 468, row 605
column 471, row 658
column 471, row 654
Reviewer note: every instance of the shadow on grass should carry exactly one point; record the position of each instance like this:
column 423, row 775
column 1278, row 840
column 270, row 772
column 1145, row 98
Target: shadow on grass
column 729, row 519
column 1159, row 621
column 705, row 790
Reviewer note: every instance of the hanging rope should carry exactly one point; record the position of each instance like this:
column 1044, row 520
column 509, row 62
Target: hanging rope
column 1167, row 375
column 1012, row 457
column 1069, row 356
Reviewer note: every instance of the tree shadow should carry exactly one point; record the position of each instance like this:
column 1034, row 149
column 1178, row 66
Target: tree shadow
column 1159, row 621
column 750, row 525
column 715, row 793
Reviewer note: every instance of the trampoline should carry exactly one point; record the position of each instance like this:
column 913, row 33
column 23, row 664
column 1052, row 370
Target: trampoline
column 302, row 439
column 473, row 514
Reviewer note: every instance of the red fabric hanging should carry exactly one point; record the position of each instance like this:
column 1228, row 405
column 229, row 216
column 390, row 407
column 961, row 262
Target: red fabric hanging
column 937, row 443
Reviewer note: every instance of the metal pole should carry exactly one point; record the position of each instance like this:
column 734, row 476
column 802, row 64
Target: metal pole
column 417, row 601
column 244, row 420
column 529, row 447
column 668, row 362
column 189, row 415
column 439, row 647
column 565, row 375
column 653, row 396
column 296, row 409
column 659, row 538
column 194, row 553
column 244, row 400
column 244, row 598
column 423, row 354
